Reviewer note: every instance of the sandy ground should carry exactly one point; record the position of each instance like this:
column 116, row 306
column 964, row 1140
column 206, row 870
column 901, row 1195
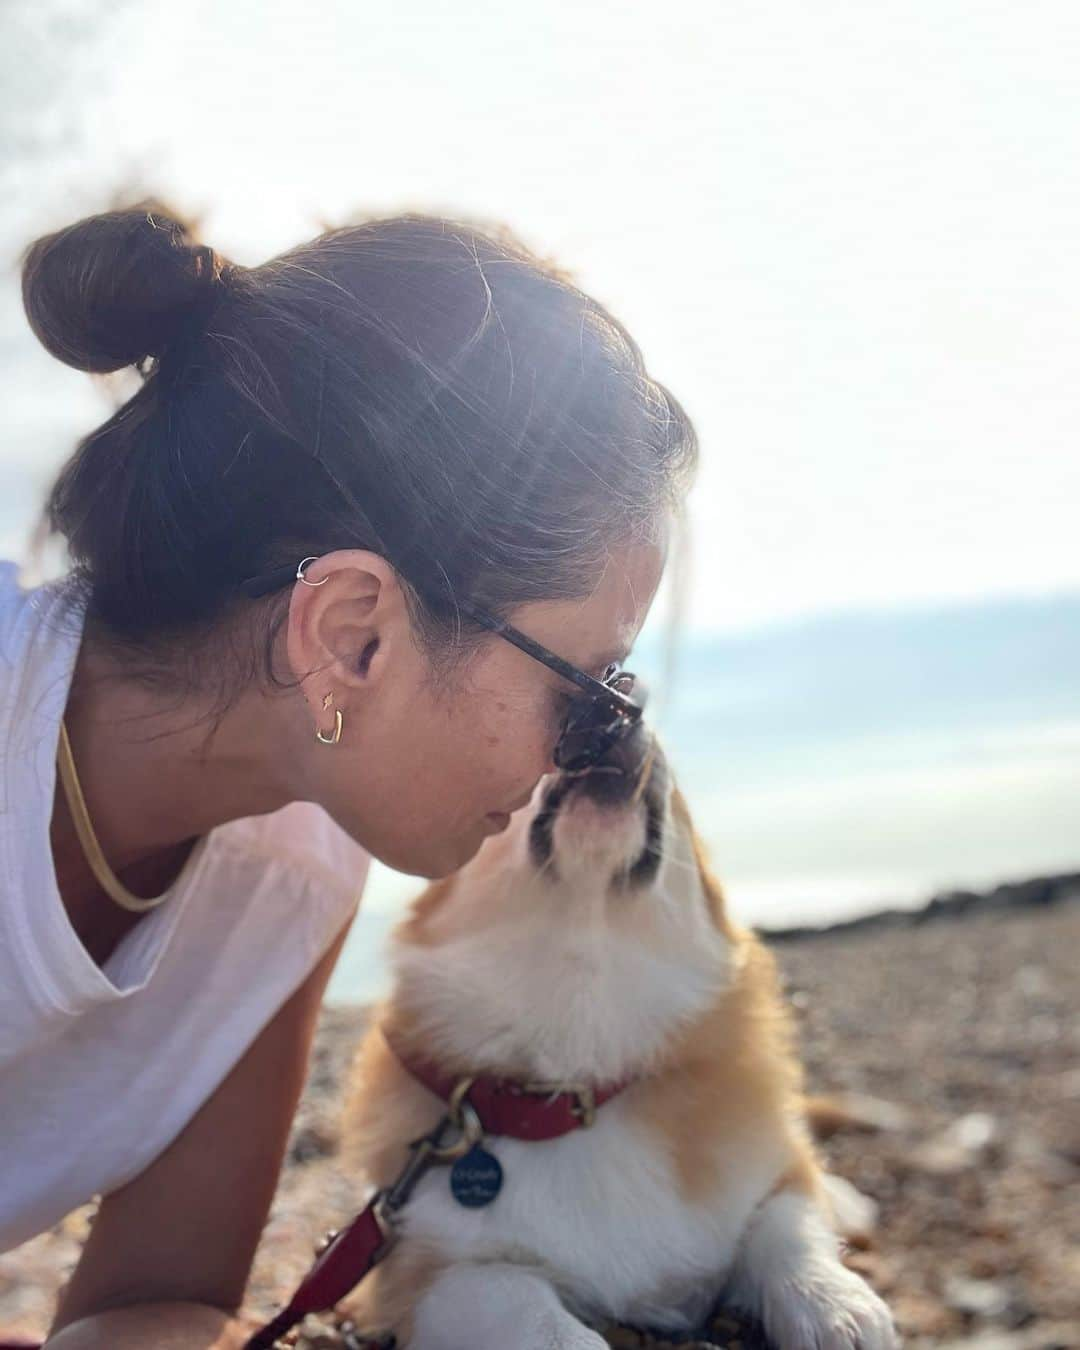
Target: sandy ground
column 963, row 1036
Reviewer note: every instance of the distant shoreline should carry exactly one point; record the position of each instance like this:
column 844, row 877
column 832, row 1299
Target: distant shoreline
column 1037, row 893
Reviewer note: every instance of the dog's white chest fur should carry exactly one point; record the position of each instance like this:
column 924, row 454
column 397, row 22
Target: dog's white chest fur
column 546, row 974
column 594, row 996
column 599, row 1212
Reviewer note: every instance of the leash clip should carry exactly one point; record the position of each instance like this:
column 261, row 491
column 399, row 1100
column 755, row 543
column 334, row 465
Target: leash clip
column 460, row 1113
column 585, row 1107
column 429, row 1150
column 384, row 1217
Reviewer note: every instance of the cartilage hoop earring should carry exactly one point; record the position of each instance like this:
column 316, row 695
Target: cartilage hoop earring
column 300, row 572
column 335, row 735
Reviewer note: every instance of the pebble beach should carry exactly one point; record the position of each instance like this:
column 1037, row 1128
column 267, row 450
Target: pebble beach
column 952, row 1034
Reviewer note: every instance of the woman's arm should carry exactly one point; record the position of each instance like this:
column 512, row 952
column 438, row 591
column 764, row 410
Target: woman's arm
column 164, row 1326
column 169, row 1254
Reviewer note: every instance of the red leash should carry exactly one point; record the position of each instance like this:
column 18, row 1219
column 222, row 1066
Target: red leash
column 477, row 1106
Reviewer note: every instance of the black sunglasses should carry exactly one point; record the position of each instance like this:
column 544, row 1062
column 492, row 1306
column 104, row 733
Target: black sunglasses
column 595, row 721
column 603, row 715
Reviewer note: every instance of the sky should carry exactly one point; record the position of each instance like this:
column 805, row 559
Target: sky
column 845, row 235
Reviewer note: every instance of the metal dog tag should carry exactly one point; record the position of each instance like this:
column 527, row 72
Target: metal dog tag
column 476, row 1179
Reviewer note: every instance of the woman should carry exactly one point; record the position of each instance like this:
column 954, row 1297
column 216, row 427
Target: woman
column 280, row 649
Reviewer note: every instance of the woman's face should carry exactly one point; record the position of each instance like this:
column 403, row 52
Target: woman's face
column 422, row 769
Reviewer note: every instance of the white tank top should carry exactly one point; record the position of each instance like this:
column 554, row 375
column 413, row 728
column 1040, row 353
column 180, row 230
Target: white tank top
column 102, row 1067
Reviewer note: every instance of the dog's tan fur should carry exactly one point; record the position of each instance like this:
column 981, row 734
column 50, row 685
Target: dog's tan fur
column 732, row 1075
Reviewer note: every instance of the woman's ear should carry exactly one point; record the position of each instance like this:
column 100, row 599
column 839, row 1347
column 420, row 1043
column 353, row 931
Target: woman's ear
column 345, row 617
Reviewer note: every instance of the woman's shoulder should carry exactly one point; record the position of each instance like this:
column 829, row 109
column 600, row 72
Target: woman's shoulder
column 12, row 592
column 302, row 839
column 39, row 621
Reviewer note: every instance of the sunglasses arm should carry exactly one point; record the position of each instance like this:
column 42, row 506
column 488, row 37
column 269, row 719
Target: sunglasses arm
column 597, row 688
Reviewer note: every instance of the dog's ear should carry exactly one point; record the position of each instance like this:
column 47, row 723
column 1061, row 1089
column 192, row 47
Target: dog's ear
column 710, row 883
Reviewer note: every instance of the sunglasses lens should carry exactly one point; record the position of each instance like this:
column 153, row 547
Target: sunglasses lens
column 594, row 725
column 580, row 750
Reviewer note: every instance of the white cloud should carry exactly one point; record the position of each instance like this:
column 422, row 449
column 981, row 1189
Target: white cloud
column 844, row 234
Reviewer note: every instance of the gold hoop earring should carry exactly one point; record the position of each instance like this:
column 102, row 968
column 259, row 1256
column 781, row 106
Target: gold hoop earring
column 300, row 572
column 335, row 735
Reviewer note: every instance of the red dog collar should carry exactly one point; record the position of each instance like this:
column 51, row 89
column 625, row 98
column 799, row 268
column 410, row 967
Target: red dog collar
column 532, row 1111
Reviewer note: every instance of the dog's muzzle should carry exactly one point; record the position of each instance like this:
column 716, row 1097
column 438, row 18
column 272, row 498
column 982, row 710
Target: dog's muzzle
column 633, row 774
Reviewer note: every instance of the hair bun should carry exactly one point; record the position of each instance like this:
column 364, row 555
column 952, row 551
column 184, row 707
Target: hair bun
column 115, row 288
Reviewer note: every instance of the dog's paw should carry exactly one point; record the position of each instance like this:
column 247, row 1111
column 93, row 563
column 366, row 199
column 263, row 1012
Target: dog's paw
column 530, row 1333
column 789, row 1275
column 833, row 1309
column 562, row 1336
column 493, row 1305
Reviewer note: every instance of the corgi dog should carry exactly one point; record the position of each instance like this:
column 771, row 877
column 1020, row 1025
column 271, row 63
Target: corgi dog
column 589, row 944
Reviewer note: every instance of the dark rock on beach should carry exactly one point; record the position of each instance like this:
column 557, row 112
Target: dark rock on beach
column 1033, row 894
column 952, row 1040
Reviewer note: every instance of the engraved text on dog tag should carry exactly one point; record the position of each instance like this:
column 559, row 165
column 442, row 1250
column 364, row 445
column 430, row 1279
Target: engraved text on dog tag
column 476, row 1179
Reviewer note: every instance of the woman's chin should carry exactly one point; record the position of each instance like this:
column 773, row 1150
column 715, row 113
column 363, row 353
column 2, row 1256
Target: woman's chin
column 433, row 859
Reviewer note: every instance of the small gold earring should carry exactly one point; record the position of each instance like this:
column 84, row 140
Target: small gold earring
column 335, row 735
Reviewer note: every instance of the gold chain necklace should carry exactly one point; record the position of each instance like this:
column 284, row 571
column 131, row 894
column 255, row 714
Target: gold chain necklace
column 110, row 882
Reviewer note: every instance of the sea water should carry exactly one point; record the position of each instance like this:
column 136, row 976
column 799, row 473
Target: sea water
column 845, row 763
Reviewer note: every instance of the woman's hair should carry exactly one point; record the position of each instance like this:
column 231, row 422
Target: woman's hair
column 411, row 385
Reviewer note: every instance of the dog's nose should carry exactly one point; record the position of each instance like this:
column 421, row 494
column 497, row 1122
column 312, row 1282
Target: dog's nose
column 618, row 774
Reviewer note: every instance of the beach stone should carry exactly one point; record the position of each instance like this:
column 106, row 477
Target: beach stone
column 315, row 1139
column 879, row 1018
column 856, row 1214
column 980, row 1298
column 320, row 1335
column 918, row 1314
column 624, row 1338
column 1046, row 1336
column 861, row 1111
column 962, row 1145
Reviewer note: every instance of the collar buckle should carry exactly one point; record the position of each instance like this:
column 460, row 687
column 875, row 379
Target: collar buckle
column 584, row 1094
column 585, row 1107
